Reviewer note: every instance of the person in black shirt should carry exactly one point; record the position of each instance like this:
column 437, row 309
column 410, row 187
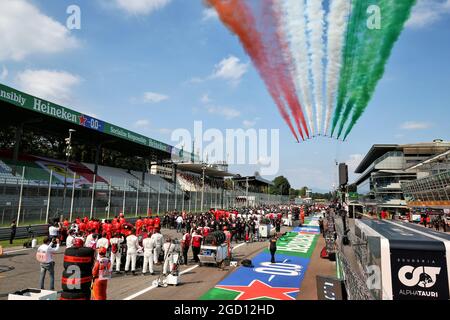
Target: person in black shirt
column 13, row 231
column 273, row 248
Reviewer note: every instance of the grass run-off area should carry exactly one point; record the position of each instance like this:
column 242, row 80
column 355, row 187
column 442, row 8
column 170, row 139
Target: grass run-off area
column 18, row 242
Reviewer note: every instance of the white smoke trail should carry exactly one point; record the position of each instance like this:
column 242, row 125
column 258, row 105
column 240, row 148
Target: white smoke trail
column 337, row 26
column 315, row 26
column 295, row 31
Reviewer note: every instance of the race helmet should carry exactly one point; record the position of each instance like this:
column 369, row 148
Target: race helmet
column 102, row 251
column 78, row 243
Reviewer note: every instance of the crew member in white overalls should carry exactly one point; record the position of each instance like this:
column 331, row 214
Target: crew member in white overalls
column 149, row 247
column 132, row 252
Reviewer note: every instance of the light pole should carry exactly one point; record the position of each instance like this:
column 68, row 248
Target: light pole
column 203, row 185
column 68, row 154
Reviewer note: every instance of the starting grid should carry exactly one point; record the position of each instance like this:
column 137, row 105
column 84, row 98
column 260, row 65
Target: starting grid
column 277, row 281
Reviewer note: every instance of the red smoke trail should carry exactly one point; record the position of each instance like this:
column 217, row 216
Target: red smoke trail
column 282, row 60
column 237, row 17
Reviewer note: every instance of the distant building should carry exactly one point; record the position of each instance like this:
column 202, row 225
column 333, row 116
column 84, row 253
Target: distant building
column 432, row 188
column 385, row 168
column 308, row 193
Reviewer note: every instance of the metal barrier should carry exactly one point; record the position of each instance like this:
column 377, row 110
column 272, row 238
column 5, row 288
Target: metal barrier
column 35, row 230
column 31, row 201
column 350, row 259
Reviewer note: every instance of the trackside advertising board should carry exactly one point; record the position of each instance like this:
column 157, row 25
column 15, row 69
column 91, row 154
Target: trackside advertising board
column 414, row 261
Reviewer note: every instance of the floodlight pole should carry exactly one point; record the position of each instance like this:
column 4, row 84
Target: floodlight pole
column 203, row 186
column 73, row 196
column 68, row 154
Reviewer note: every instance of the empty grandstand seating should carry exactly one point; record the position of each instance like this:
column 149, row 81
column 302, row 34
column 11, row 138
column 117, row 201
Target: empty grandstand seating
column 37, row 171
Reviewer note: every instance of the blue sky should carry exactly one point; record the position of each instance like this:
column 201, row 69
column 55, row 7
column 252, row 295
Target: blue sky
column 153, row 66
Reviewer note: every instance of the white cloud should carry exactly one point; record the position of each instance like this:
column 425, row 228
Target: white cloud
column 25, row 30
column 152, row 97
column 249, row 123
column 55, row 86
column 142, row 124
column 209, row 14
column 415, row 125
column 141, row 7
column 4, row 73
column 353, row 162
column 428, row 12
column 228, row 113
column 165, row 130
column 205, row 99
column 195, row 80
column 230, row 69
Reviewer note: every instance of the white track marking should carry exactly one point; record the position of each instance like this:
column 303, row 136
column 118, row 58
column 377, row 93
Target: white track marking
column 273, row 276
column 137, row 294
column 8, row 252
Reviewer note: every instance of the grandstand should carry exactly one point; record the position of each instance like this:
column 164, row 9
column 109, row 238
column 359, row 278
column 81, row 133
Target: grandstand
column 109, row 170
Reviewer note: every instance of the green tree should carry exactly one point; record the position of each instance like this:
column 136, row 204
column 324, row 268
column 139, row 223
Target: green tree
column 281, row 186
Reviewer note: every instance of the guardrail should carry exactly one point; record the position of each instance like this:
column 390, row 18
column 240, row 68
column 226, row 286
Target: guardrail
column 36, row 230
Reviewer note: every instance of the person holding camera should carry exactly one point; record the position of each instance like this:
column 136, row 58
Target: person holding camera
column 45, row 255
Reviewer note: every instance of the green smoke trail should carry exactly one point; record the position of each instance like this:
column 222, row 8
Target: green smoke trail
column 394, row 19
column 356, row 24
column 371, row 40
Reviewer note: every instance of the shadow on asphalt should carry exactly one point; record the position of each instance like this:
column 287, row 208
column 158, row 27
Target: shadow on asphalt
column 13, row 255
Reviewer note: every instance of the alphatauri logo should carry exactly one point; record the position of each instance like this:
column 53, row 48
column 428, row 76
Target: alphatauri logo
column 424, row 277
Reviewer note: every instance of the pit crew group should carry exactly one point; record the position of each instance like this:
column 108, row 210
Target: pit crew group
column 142, row 244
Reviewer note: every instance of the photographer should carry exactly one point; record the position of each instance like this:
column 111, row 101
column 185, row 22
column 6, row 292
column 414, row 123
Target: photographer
column 45, row 256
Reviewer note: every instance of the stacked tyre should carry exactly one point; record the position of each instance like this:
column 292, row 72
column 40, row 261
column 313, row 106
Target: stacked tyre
column 77, row 275
column 216, row 238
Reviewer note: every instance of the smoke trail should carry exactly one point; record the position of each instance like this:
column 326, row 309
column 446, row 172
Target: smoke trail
column 395, row 15
column 315, row 26
column 356, row 23
column 295, row 24
column 239, row 20
column 281, row 59
column 371, row 39
column 337, row 25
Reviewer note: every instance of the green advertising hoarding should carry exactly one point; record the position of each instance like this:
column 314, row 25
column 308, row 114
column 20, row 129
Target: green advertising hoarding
column 31, row 103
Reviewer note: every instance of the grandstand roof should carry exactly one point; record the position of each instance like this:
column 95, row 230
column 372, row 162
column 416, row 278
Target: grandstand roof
column 209, row 170
column 254, row 179
column 18, row 107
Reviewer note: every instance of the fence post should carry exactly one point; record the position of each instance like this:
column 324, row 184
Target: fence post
column 190, row 198
column 137, row 199
column 176, row 198
column 211, row 197
column 216, row 199
column 159, row 196
column 20, row 196
column 109, row 198
column 167, row 201
column 93, row 195
column 124, row 194
column 182, row 204
column 73, row 196
column 48, row 197
column 148, row 200
column 195, row 204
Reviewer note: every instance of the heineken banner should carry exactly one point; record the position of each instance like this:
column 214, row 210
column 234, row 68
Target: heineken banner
column 41, row 106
